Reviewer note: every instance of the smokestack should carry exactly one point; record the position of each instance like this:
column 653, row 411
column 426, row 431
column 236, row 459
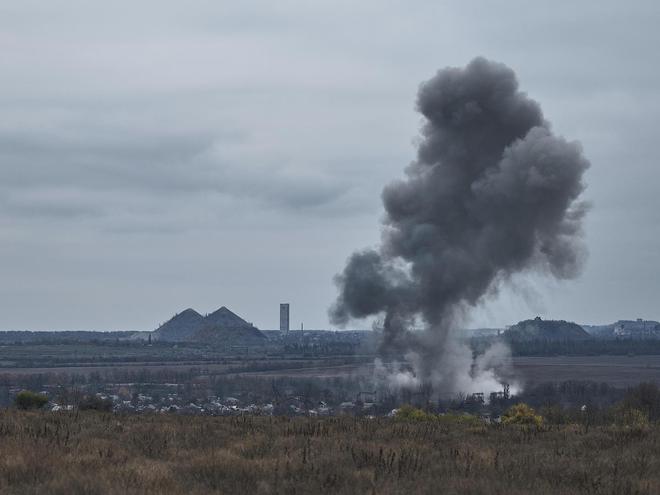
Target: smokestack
column 491, row 193
column 284, row 318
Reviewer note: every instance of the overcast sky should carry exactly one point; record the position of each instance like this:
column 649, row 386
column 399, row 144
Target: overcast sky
column 158, row 155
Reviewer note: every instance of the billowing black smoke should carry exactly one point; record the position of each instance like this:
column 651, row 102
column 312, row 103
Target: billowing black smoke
column 492, row 192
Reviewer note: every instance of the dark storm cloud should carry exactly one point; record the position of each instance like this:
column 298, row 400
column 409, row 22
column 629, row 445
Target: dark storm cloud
column 492, row 192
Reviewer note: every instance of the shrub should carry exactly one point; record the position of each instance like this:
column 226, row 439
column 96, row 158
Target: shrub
column 626, row 416
column 459, row 419
column 94, row 403
column 555, row 414
column 410, row 413
column 644, row 397
column 521, row 414
column 30, row 400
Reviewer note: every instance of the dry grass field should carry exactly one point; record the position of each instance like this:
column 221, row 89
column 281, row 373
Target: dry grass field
column 92, row 453
column 618, row 371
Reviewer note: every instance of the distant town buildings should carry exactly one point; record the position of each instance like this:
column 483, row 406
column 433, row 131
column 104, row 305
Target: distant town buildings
column 639, row 329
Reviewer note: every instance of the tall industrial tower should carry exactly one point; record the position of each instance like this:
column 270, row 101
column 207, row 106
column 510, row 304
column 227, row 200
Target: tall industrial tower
column 284, row 317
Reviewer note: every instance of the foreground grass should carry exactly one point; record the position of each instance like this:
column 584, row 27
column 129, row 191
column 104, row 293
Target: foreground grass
column 76, row 453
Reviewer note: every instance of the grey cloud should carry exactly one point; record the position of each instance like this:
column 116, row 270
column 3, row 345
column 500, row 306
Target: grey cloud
column 272, row 104
column 153, row 165
column 49, row 202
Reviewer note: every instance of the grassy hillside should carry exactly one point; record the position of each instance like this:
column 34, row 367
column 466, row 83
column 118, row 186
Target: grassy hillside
column 89, row 453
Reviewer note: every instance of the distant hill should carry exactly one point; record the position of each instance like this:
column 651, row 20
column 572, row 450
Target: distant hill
column 225, row 318
column 220, row 327
column 626, row 329
column 224, row 326
column 545, row 330
column 181, row 327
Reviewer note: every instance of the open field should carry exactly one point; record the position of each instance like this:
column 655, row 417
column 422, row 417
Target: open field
column 92, row 453
column 620, row 371
column 339, row 366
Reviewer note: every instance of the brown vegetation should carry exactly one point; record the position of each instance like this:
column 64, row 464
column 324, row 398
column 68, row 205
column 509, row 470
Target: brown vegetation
column 90, row 452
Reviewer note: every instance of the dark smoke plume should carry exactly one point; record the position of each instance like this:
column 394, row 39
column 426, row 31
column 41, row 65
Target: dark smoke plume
column 492, row 192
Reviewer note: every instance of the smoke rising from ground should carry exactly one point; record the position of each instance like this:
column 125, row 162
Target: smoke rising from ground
column 492, row 192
